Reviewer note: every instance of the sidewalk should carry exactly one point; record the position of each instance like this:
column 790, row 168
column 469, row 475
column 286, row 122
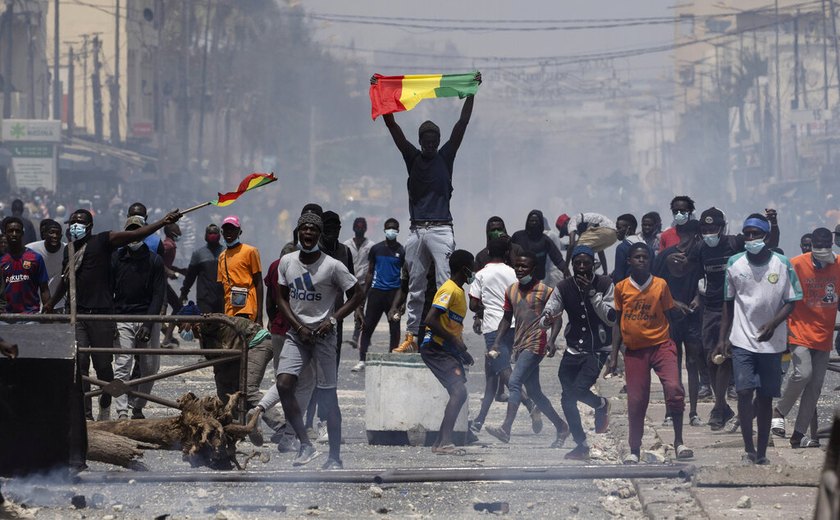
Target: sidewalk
column 787, row 486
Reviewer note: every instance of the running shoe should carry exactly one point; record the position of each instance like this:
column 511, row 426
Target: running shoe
column 306, row 454
column 358, row 367
column 536, row 420
column 333, row 464
column 408, row 345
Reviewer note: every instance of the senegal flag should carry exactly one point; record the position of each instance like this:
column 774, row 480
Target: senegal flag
column 252, row 181
column 399, row 93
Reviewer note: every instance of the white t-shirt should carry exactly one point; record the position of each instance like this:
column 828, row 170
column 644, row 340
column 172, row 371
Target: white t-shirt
column 360, row 257
column 53, row 262
column 489, row 287
column 313, row 288
column 759, row 291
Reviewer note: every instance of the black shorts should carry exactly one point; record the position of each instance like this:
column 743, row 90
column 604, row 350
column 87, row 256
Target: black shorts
column 687, row 329
column 446, row 368
column 711, row 329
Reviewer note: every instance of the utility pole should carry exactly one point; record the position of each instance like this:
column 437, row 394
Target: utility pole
column 184, row 87
column 778, row 169
column 7, row 60
column 200, row 151
column 85, row 52
column 795, row 104
column 115, row 87
column 825, row 79
column 834, row 39
column 71, row 92
column 30, row 68
column 96, row 90
column 56, row 59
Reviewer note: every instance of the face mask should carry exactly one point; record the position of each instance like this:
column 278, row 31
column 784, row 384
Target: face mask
column 134, row 246
column 680, row 217
column 187, row 335
column 525, row 280
column 823, row 255
column 711, row 240
column 754, row 246
column 77, row 231
column 213, row 238
column 232, row 244
column 391, row 234
column 496, row 233
column 314, row 249
column 176, row 238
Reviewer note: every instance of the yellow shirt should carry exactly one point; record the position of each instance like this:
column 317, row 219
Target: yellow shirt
column 452, row 300
column 237, row 267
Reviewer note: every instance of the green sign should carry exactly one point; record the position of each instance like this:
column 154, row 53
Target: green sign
column 34, row 151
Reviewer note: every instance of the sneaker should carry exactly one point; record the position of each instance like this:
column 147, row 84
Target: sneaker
column 286, row 443
column 732, row 394
column 631, row 458
column 748, row 459
column 732, row 425
column 122, row 417
column 104, row 414
column 475, row 426
column 668, row 422
column 602, row 417
column 498, row 433
column 333, row 464
column 306, row 454
column 536, row 420
column 695, row 420
column 472, row 438
column 684, row 452
column 408, row 345
column 720, row 422
column 255, row 435
column 580, row 452
column 358, row 367
column 808, row 442
column 9, row 509
column 560, row 440
column 323, row 435
column 777, row 426
column 137, row 413
column 704, row 393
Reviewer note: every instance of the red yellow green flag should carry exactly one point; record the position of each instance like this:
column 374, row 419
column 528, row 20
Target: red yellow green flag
column 252, row 181
column 399, row 93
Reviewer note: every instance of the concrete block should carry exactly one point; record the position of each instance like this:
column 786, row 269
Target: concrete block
column 404, row 401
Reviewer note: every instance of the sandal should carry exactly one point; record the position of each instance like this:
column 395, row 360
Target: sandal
column 449, row 449
column 684, row 452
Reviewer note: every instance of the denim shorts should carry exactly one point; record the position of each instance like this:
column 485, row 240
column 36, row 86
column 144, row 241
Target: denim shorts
column 502, row 362
column 762, row 372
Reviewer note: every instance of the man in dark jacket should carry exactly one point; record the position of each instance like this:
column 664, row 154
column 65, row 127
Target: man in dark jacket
column 139, row 285
column 210, row 294
column 533, row 239
column 588, row 339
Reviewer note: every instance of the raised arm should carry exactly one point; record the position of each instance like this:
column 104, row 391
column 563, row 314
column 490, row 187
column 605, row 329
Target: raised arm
column 460, row 127
column 121, row 238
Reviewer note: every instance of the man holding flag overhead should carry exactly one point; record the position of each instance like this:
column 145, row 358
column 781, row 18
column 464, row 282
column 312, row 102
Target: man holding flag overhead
column 431, row 238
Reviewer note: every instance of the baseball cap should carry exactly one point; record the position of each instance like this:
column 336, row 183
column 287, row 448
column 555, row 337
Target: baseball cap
column 233, row 220
column 713, row 216
column 134, row 221
column 562, row 220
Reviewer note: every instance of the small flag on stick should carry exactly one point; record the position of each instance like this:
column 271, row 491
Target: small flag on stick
column 252, row 181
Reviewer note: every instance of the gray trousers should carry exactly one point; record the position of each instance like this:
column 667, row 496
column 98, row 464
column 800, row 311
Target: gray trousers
column 805, row 380
column 305, row 383
column 258, row 358
column 425, row 245
column 124, row 363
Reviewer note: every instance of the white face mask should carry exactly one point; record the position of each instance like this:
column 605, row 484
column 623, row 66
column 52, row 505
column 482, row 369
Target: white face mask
column 681, row 217
column 391, row 234
column 823, row 255
column 711, row 240
column 134, row 246
column 754, row 246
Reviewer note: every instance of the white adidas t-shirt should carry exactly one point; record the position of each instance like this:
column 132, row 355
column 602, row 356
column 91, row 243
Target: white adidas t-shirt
column 313, row 288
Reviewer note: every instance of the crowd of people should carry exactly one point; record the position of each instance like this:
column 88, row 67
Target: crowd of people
column 731, row 308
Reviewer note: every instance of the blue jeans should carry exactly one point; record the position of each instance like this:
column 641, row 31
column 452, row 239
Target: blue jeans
column 526, row 372
column 499, row 364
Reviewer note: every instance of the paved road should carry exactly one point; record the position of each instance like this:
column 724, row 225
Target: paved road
column 568, row 499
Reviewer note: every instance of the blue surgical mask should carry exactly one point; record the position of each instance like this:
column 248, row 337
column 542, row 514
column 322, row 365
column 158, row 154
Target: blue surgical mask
column 711, row 240
column 77, row 230
column 754, row 246
column 314, row 249
column 391, row 234
column 231, row 244
column 525, row 280
column 187, row 335
column 681, row 217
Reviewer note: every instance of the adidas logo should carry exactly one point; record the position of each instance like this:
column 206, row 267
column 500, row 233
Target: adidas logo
column 304, row 289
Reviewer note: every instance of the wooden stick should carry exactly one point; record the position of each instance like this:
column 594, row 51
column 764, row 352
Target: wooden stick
column 188, row 210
